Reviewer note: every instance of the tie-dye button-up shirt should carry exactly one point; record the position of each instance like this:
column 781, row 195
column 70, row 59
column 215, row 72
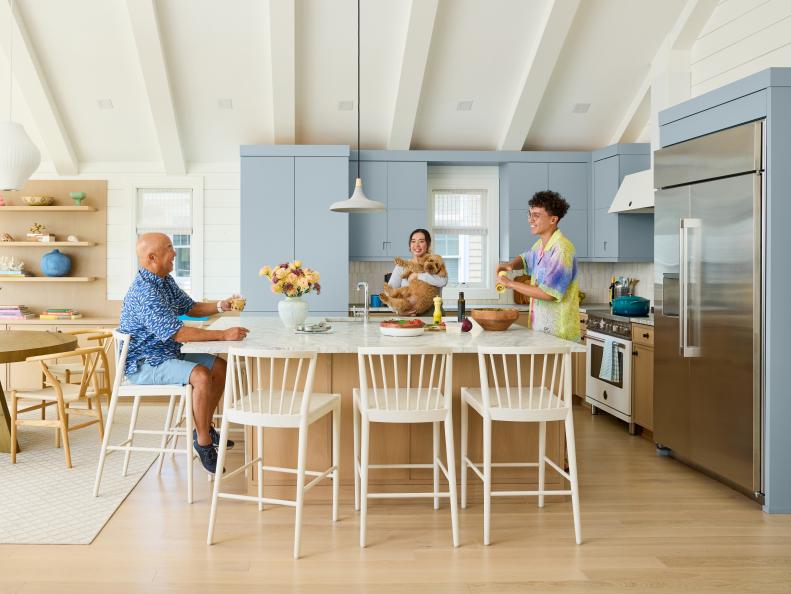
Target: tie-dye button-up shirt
column 553, row 269
column 150, row 314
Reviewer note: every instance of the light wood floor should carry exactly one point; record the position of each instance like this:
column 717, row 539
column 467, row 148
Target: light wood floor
column 650, row 525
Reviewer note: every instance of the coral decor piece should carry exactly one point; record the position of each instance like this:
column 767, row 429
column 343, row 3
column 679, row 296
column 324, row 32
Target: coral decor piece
column 291, row 280
column 10, row 263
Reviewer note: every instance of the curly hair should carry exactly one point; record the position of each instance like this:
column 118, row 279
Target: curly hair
column 550, row 201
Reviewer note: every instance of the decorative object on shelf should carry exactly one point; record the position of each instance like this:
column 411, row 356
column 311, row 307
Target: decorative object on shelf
column 6, row 237
column 19, row 157
column 2, row 201
column 73, row 238
column 358, row 201
column 36, row 229
column 38, row 200
column 78, row 197
column 55, row 263
column 495, row 319
column 11, row 266
column 292, row 281
column 46, row 238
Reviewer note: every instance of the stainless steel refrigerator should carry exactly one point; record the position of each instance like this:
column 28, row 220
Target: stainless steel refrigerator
column 708, row 251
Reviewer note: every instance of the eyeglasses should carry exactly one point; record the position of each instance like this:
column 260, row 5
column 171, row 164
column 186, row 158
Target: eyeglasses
column 534, row 216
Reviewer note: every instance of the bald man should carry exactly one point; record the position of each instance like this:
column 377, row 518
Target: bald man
column 150, row 314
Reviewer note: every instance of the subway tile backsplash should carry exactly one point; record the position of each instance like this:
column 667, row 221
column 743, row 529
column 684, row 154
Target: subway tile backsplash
column 594, row 279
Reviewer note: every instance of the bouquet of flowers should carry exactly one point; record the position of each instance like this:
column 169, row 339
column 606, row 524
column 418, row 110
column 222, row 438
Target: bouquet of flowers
column 291, row 279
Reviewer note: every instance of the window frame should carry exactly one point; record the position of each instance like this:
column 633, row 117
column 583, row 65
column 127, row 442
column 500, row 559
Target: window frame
column 458, row 177
column 196, row 186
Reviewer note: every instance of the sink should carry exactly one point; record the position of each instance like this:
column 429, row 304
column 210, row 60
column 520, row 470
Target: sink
column 343, row 319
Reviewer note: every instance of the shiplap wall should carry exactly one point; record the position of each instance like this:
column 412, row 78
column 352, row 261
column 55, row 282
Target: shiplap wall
column 221, row 208
column 740, row 38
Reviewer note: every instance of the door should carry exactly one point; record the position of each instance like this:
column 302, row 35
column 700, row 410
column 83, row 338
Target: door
column 723, row 254
column 671, row 371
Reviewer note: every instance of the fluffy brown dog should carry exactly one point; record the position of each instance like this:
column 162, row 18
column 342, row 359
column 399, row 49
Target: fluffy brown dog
column 417, row 296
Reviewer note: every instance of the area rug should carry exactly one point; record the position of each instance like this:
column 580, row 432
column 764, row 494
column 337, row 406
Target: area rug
column 43, row 502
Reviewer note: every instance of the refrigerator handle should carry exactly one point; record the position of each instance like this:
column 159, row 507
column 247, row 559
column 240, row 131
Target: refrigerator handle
column 685, row 349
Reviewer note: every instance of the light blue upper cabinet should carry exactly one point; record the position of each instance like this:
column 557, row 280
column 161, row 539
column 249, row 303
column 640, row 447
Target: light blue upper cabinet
column 522, row 181
column 619, row 237
column 571, row 180
column 368, row 231
column 402, row 186
column 267, row 225
column 321, row 238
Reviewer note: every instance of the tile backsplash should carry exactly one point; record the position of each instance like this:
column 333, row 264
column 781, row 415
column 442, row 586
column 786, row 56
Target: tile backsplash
column 594, row 279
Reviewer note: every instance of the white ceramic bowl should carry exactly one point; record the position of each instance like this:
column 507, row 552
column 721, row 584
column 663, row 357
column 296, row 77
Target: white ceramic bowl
column 401, row 331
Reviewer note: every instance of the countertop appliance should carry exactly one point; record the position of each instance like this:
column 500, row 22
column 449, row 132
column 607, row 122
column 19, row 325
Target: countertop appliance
column 614, row 397
column 708, row 341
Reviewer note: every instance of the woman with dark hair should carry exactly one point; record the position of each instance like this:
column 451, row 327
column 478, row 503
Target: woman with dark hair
column 552, row 265
column 419, row 246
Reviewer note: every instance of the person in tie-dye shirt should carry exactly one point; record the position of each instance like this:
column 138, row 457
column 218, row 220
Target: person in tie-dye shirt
column 552, row 266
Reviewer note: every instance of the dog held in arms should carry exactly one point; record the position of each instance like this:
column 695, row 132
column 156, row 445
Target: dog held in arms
column 418, row 295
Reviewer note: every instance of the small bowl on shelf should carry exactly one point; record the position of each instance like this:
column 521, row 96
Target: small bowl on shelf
column 38, row 200
column 494, row 319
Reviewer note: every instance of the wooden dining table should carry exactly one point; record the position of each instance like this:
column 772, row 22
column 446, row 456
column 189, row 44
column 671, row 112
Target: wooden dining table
column 18, row 345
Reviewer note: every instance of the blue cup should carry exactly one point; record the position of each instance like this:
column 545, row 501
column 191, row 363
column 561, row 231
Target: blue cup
column 376, row 301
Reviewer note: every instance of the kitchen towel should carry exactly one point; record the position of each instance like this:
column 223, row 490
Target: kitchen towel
column 610, row 370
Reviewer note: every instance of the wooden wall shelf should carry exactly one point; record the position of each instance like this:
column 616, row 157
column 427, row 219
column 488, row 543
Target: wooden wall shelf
column 47, row 279
column 48, row 208
column 47, row 243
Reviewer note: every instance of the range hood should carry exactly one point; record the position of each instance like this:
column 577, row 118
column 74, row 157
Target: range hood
column 636, row 193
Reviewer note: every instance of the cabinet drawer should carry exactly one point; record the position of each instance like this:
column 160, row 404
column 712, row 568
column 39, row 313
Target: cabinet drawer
column 643, row 335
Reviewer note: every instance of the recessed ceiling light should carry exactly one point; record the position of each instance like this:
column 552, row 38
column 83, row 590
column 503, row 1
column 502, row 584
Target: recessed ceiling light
column 225, row 103
column 345, row 105
column 464, row 106
column 581, row 108
column 105, row 103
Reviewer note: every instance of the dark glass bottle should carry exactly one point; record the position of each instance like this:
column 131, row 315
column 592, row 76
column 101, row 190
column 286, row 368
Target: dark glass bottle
column 461, row 313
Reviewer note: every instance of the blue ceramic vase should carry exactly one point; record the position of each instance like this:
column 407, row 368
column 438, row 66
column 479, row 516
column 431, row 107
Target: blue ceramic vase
column 55, row 264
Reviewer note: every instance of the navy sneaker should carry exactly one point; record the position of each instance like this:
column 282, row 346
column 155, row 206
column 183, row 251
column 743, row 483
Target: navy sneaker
column 215, row 438
column 208, row 456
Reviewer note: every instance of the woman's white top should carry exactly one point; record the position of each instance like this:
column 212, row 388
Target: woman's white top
column 433, row 279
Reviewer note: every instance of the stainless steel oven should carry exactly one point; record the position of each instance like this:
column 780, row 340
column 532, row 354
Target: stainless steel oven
column 612, row 396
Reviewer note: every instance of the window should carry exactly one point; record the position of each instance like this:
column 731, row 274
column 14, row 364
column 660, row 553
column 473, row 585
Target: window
column 170, row 211
column 463, row 204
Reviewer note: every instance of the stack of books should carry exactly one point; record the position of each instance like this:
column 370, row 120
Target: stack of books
column 15, row 312
column 60, row 314
column 14, row 273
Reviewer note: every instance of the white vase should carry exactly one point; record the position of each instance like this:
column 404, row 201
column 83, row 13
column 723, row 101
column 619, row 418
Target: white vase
column 293, row 311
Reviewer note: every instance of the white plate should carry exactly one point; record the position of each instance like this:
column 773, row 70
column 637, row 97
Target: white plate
column 401, row 331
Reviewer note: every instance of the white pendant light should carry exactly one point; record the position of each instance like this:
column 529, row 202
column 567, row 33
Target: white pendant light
column 19, row 157
column 358, row 202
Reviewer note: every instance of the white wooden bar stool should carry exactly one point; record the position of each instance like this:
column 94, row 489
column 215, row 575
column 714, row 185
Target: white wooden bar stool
column 421, row 393
column 545, row 397
column 274, row 388
column 138, row 391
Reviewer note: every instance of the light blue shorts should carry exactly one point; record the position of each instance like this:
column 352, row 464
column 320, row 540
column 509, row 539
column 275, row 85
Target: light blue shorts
column 172, row 371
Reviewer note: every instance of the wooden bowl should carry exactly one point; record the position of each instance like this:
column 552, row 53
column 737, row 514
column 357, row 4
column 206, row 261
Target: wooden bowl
column 38, row 200
column 495, row 319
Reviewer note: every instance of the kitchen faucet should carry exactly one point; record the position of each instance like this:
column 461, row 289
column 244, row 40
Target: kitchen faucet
column 363, row 285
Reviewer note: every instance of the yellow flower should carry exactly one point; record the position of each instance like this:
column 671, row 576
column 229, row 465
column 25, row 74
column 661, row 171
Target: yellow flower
column 265, row 271
column 277, row 288
column 297, row 263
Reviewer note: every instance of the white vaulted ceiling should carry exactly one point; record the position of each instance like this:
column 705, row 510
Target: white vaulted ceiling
column 286, row 64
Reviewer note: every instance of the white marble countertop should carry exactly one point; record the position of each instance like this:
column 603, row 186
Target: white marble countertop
column 269, row 333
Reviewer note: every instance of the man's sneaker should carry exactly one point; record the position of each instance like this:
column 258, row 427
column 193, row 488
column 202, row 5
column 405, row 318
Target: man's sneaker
column 208, row 456
column 215, row 438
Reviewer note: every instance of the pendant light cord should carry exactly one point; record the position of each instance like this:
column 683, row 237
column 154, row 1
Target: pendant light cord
column 358, row 89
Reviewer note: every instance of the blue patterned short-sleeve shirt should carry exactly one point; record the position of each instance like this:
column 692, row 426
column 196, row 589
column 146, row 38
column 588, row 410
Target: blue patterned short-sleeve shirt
column 150, row 314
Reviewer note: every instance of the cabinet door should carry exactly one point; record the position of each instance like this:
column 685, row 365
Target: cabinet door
column 400, row 223
column 524, row 180
column 368, row 231
column 606, row 179
column 520, row 239
column 643, row 386
column 575, row 226
column 321, row 237
column 605, row 234
column 570, row 180
column 407, row 185
column 267, row 224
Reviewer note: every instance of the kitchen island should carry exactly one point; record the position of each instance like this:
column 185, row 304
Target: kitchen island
column 336, row 372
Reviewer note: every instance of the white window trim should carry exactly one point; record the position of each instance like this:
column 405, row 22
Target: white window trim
column 194, row 183
column 466, row 178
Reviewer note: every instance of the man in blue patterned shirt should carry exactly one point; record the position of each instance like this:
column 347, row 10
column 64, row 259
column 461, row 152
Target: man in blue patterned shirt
column 150, row 314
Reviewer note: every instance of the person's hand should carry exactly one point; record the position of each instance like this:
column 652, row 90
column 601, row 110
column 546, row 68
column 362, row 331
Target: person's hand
column 507, row 282
column 413, row 276
column 503, row 266
column 235, row 334
column 226, row 304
